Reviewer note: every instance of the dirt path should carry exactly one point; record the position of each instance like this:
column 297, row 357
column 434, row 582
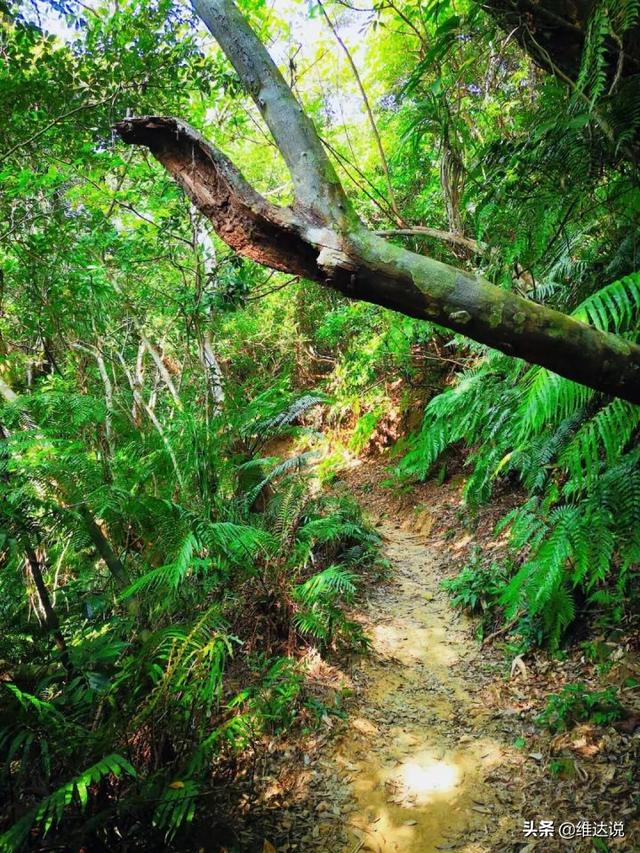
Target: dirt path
column 440, row 749
column 417, row 755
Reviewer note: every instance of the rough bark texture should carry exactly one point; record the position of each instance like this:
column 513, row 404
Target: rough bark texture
column 322, row 239
column 316, row 185
column 363, row 266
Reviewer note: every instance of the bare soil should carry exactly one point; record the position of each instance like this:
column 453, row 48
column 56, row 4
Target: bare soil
column 418, row 753
column 439, row 749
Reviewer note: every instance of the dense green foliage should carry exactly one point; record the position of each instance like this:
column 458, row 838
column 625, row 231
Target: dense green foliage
column 167, row 563
column 575, row 704
column 187, row 568
column 558, row 207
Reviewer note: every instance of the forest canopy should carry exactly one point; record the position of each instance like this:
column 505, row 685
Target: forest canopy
column 246, row 250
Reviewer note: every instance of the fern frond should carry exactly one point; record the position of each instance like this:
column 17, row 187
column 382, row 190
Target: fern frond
column 614, row 308
column 177, row 806
column 601, row 439
column 333, row 581
column 51, row 810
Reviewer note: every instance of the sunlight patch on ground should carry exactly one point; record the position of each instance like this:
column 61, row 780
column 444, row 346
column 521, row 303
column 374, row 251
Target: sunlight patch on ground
column 422, row 779
column 408, row 644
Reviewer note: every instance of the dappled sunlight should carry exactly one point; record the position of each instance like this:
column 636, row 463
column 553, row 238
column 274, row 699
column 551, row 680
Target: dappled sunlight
column 417, row 787
column 424, row 779
column 408, row 643
column 412, row 792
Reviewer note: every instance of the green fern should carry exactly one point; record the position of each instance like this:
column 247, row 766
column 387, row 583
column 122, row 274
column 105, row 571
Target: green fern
column 176, row 807
column 567, row 445
column 50, row 812
column 614, row 308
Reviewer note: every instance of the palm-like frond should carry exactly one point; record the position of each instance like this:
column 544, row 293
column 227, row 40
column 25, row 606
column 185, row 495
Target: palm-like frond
column 569, row 446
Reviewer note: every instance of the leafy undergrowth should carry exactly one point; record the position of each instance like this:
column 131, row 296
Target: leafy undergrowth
column 177, row 695
column 153, row 713
column 573, row 715
column 576, row 704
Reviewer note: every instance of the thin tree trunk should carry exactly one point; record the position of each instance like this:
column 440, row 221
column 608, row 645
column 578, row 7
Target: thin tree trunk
column 212, row 371
column 139, row 405
column 162, row 370
column 452, row 182
column 49, row 615
column 108, row 388
column 205, row 273
column 137, row 384
column 103, row 547
column 367, row 106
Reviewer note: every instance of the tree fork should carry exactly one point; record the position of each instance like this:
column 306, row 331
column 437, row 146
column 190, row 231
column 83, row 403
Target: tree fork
column 321, row 238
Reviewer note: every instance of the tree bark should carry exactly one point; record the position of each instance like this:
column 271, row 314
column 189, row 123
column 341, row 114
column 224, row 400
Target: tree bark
column 162, row 370
column 103, row 547
column 140, row 405
column 321, row 238
column 108, row 388
column 206, row 263
column 137, row 384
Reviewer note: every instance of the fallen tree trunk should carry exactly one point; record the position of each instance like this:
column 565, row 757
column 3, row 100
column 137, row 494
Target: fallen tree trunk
column 321, row 238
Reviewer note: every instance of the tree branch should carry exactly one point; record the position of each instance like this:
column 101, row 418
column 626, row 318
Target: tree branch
column 320, row 237
column 449, row 237
column 367, row 106
column 316, row 184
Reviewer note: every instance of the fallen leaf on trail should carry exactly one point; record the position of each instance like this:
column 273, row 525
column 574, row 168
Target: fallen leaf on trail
column 537, row 756
column 364, row 726
column 410, row 823
column 518, row 664
column 267, row 847
column 461, row 543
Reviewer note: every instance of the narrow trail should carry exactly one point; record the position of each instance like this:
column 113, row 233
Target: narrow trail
column 419, row 750
column 439, row 748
